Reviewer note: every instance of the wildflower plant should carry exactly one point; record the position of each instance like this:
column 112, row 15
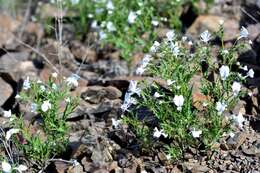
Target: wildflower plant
column 190, row 91
column 46, row 135
column 129, row 25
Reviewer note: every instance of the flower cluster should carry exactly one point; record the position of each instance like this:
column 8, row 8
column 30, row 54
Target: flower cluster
column 44, row 99
column 185, row 111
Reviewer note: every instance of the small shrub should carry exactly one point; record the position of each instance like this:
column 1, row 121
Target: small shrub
column 129, row 25
column 186, row 100
column 46, row 135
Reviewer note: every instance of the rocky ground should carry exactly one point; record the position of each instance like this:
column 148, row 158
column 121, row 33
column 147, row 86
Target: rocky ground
column 97, row 145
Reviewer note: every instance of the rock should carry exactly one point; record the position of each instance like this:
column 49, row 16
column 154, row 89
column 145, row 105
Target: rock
column 254, row 30
column 95, row 94
column 8, row 26
column 212, row 23
column 75, row 169
column 47, row 10
column 159, row 169
column 61, row 167
column 195, row 167
column 77, row 114
column 10, row 62
column 65, row 58
column 110, row 68
column 88, row 166
column 76, row 136
column 252, row 151
column 79, row 151
column 82, row 53
column 89, row 76
column 5, row 91
column 35, row 28
column 136, row 59
column 162, row 157
column 176, row 170
column 97, row 157
column 240, row 108
column 237, row 140
column 161, row 32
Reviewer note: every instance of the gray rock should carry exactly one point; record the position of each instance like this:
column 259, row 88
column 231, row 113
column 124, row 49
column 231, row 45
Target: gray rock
column 96, row 94
column 5, row 91
column 10, row 62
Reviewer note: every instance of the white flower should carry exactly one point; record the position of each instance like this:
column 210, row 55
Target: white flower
column 205, row 36
column 220, row 107
column 133, row 89
column 158, row 133
column 73, row 80
column 139, row 12
column 221, row 22
column 146, row 60
column 131, row 17
column 184, row 38
column 174, row 48
column 231, row 134
column 7, row 114
column 155, row 23
column 236, row 87
column 67, row 100
column 245, row 68
column 42, row 88
column 110, row 5
column 125, row 107
column 204, row 104
column 196, row 133
column 46, row 106
column 110, row 26
column 17, row 96
column 239, row 119
column 224, row 72
column 155, row 46
column 94, row 24
column 157, row 95
column 129, row 100
column 168, row 157
column 26, row 84
column 225, row 51
column 54, row 86
column 250, row 94
column 21, row 168
column 170, row 82
column 33, row 107
column 10, row 132
column 178, row 101
column 251, row 73
column 90, row 15
column 54, row 75
column 243, row 33
column 7, row 168
column 102, row 35
column 170, row 35
column 190, row 43
column 140, row 70
column 115, row 123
